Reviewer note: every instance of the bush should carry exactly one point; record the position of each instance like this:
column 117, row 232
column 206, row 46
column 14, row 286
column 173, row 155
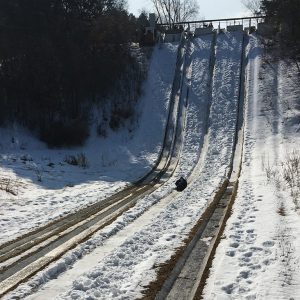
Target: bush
column 291, row 175
column 79, row 160
column 119, row 116
column 101, row 131
column 71, row 133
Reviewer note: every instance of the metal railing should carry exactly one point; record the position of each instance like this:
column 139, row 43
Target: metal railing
column 216, row 23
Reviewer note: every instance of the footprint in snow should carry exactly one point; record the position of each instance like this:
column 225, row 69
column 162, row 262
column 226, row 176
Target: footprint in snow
column 248, row 254
column 244, row 274
column 234, row 236
column 230, row 253
column 256, row 249
column 245, row 261
column 268, row 244
column 266, row 262
column 255, row 267
column 229, row 288
column 250, row 238
column 234, row 245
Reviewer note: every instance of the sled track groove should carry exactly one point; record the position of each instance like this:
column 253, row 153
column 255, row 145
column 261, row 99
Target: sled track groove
column 23, row 257
column 185, row 274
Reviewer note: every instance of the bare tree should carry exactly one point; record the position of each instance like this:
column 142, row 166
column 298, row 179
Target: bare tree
column 173, row 11
column 253, row 6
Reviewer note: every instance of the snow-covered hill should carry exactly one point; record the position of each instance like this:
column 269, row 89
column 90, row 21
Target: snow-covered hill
column 258, row 256
column 43, row 187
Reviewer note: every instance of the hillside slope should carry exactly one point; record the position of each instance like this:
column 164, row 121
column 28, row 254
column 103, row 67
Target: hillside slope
column 43, row 187
column 258, row 258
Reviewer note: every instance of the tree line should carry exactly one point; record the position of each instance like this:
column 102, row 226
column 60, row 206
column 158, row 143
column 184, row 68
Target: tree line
column 284, row 15
column 173, row 11
column 57, row 58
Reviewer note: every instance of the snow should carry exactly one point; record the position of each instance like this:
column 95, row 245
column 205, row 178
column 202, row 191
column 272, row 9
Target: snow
column 130, row 261
column 47, row 188
column 258, row 257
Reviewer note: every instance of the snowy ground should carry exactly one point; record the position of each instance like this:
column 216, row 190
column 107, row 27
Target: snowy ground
column 259, row 256
column 46, row 187
column 120, row 260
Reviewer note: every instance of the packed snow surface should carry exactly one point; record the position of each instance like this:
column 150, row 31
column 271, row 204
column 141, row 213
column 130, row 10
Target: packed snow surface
column 120, row 260
column 43, row 187
column 258, row 258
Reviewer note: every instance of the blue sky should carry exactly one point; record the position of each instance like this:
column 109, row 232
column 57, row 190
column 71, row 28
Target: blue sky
column 209, row 9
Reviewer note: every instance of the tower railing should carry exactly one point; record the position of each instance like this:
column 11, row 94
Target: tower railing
column 217, row 23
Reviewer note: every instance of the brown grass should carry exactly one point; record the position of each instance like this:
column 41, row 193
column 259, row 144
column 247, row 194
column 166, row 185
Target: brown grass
column 9, row 185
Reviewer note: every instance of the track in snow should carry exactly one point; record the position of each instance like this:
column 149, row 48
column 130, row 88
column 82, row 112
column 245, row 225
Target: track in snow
column 25, row 256
column 187, row 278
column 213, row 118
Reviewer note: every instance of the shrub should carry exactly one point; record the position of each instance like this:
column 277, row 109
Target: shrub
column 59, row 134
column 291, row 175
column 9, row 186
column 79, row 160
column 119, row 116
column 101, row 131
